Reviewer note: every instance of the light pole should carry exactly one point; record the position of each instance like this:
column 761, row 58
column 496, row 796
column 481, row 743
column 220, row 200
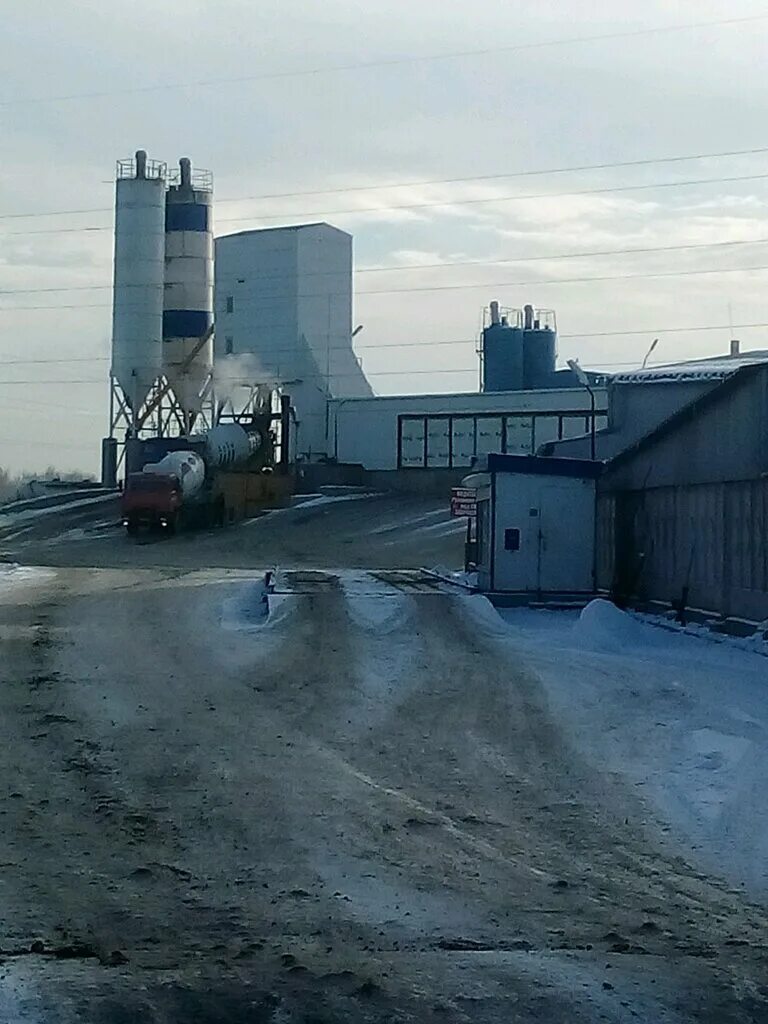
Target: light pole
column 583, row 379
column 648, row 354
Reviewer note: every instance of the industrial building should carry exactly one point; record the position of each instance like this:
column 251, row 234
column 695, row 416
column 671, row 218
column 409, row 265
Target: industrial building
column 280, row 301
column 535, row 525
column 683, row 512
column 524, row 403
column 284, row 316
column 451, row 431
column 641, row 400
column 679, row 517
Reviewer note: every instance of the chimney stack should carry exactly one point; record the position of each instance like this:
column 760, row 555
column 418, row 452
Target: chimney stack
column 735, row 346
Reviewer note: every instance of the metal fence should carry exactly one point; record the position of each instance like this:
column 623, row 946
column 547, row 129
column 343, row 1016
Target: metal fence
column 705, row 545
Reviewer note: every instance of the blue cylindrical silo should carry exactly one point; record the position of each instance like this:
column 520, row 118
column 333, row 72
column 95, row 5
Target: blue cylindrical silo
column 188, row 306
column 539, row 357
column 502, row 358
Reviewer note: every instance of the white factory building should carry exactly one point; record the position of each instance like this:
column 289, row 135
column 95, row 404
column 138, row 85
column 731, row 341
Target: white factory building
column 449, row 431
column 283, row 313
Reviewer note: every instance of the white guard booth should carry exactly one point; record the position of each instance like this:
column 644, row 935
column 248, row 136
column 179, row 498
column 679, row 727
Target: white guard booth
column 536, row 525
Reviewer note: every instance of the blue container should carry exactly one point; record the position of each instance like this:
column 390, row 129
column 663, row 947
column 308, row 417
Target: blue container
column 502, row 358
column 539, row 357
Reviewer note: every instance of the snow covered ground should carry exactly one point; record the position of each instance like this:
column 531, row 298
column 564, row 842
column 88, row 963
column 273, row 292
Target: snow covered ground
column 307, row 501
column 13, row 576
column 10, row 517
column 682, row 717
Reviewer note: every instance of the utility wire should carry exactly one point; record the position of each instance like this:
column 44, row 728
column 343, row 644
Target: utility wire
column 424, row 266
column 645, row 331
column 434, row 181
column 387, row 62
column 444, row 287
column 247, row 382
column 520, row 198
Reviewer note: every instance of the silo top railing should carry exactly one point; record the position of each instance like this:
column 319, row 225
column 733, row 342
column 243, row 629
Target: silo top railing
column 152, row 169
column 200, row 180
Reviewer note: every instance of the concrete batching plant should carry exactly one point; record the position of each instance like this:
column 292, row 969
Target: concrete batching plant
column 162, row 324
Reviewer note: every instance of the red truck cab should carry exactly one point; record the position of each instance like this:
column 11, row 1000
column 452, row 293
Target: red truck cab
column 150, row 499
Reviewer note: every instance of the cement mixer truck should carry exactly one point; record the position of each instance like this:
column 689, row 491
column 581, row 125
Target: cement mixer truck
column 205, row 483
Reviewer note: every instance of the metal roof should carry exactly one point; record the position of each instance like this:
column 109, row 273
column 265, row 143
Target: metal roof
column 283, row 228
column 714, row 369
column 689, row 411
column 544, row 465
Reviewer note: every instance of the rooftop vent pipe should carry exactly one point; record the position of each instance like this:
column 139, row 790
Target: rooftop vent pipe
column 735, row 346
column 528, row 322
column 494, row 312
column 185, row 171
column 141, row 163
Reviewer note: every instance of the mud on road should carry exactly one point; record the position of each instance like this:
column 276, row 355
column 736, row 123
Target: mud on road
column 360, row 810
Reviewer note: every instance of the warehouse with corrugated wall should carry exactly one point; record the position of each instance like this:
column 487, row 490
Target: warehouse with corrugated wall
column 683, row 513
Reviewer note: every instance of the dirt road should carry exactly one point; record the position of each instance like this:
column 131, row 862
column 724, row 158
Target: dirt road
column 360, row 811
column 341, row 527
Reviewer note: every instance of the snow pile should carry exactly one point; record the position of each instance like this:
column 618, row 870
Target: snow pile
column 384, row 675
column 247, row 607
column 604, row 627
column 757, row 642
column 683, row 719
column 255, row 605
column 373, row 605
column 468, row 580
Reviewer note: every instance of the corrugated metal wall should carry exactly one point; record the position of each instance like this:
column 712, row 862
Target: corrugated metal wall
column 709, row 538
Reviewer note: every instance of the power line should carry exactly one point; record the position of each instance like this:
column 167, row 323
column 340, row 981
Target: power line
column 665, row 330
column 47, row 362
column 387, row 62
column 646, row 250
column 248, row 382
column 538, row 172
column 434, row 181
column 519, row 198
column 426, row 344
column 447, row 287
column 502, row 199
column 428, row 266
column 565, row 280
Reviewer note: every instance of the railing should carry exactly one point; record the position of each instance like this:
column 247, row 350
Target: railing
column 201, row 181
column 153, row 169
column 544, row 318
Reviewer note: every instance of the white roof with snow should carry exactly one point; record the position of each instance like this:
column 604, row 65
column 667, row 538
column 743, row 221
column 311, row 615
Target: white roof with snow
column 716, row 368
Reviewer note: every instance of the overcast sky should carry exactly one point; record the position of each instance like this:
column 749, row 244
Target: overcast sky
column 78, row 94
